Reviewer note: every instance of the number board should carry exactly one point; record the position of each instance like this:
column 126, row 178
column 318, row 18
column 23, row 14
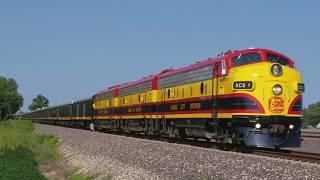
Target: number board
column 239, row 85
column 301, row 87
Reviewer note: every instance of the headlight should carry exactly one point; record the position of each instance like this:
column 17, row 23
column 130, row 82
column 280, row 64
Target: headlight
column 276, row 70
column 291, row 126
column 277, row 89
column 258, row 126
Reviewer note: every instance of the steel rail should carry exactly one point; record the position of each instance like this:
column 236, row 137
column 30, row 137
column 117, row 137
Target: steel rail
column 290, row 155
column 310, row 135
column 281, row 154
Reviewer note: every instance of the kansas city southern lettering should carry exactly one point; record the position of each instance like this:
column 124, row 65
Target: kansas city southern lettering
column 195, row 106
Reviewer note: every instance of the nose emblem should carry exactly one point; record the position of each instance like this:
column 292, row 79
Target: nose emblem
column 276, row 104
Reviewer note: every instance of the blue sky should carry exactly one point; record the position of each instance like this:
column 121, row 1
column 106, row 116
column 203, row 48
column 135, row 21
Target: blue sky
column 71, row 49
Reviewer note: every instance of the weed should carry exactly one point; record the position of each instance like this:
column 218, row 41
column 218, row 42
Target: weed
column 19, row 164
column 21, row 150
column 73, row 175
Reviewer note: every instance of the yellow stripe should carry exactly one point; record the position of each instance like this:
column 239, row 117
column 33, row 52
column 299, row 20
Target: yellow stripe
column 64, row 118
column 168, row 116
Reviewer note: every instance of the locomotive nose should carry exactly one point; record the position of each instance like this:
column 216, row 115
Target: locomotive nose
column 277, row 98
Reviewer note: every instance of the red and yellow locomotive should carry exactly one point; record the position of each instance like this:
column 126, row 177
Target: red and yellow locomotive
column 251, row 97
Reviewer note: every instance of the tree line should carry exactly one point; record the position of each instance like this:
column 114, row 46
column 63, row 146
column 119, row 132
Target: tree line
column 312, row 114
column 11, row 100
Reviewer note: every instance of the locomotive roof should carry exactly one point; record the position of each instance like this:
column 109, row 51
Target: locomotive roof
column 209, row 61
column 161, row 74
column 249, row 50
column 150, row 78
column 259, row 49
column 113, row 88
column 109, row 89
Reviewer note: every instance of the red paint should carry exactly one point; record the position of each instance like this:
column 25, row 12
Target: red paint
column 137, row 82
column 260, row 107
column 110, row 89
column 263, row 55
column 167, row 113
column 240, row 111
column 293, row 103
column 203, row 98
column 222, row 111
column 116, row 91
column 216, row 61
column 259, row 110
column 165, row 71
column 155, row 83
column 198, row 65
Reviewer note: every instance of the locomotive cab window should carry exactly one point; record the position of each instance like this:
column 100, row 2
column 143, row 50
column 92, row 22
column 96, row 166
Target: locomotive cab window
column 244, row 59
column 277, row 59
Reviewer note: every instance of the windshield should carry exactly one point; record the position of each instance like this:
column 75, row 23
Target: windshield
column 277, row 59
column 243, row 59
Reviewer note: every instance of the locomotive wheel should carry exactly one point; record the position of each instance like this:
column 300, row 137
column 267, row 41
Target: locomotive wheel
column 172, row 130
column 182, row 133
column 163, row 127
column 224, row 146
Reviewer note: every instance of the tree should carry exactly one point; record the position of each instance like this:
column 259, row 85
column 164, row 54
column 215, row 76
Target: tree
column 312, row 114
column 10, row 99
column 38, row 103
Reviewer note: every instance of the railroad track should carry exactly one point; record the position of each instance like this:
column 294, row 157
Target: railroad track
column 310, row 135
column 290, row 155
column 282, row 154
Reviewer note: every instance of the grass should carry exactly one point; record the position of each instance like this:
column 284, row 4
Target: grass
column 73, row 175
column 76, row 176
column 14, row 134
column 21, row 150
column 47, row 149
column 19, row 164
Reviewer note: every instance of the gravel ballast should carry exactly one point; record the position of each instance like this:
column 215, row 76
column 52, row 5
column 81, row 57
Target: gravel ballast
column 309, row 145
column 104, row 155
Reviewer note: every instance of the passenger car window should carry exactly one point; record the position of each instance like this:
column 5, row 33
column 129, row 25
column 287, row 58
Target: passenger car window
column 277, row 59
column 243, row 59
